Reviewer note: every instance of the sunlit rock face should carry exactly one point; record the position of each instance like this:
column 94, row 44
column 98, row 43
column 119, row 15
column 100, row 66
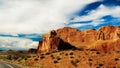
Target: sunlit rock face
column 105, row 38
column 52, row 42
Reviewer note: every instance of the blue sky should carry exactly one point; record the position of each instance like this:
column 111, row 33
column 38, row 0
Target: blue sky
column 28, row 19
column 97, row 14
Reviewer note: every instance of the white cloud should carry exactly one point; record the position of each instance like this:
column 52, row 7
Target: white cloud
column 78, row 25
column 17, row 43
column 94, row 23
column 97, row 22
column 95, row 15
column 37, row 16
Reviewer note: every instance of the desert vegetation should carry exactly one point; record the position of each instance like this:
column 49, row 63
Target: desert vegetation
column 65, row 59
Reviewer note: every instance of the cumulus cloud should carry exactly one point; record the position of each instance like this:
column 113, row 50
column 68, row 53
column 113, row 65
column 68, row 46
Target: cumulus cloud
column 17, row 43
column 37, row 16
column 96, row 15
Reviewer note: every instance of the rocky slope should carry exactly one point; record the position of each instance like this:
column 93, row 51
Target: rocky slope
column 104, row 39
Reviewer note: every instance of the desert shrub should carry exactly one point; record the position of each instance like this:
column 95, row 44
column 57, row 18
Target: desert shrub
column 9, row 57
column 117, row 51
column 116, row 59
column 101, row 64
column 22, row 56
column 97, row 52
column 34, row 56
column 74, row 62
column 13, row 57
column 89, row 59
column 36, row 59
column 61, row 53
column 47, row 53
column 58, row 58
column 25, row 59
column 66, row 54
column 97, row 67
column 55, row 61
column 28, row 56
column 77, row 60
column 114, row 66
column 52, row 56
column 42, row 56
column 71, row 57
column 71, row 53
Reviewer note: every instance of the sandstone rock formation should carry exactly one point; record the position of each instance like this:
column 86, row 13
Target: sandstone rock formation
column 52, row 42
column 104, row 39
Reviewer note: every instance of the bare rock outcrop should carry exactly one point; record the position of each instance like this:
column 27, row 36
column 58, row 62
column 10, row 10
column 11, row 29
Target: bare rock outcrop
column 104, row 39
column 52, row 42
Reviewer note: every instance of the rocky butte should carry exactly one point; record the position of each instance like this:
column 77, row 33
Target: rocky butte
column 104, row 39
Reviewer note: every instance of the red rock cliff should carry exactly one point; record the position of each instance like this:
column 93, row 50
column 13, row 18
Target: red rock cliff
column 104, row 39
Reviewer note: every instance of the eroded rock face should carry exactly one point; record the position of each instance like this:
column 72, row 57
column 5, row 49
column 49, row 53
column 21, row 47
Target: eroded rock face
column 52, row 42
column 102, row 39
column 106, row 46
